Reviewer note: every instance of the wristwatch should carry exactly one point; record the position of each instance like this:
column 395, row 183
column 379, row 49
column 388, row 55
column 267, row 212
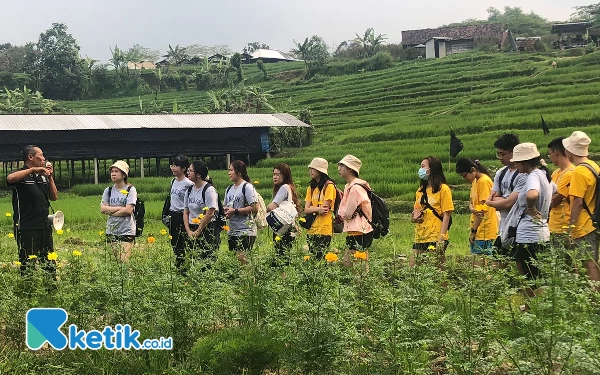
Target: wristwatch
column 237, row 212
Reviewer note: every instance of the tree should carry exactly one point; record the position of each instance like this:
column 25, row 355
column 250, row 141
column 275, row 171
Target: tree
column 261, row 66
column 14, row 59
column 369, row 42
column 177, row 55
column 118, row 59
column 254, row 46
column 138, row 53
column 314, row 52
column 24, row 102
column 56, row 66
column 520, row 23
column 236, row 63
column 587, row 13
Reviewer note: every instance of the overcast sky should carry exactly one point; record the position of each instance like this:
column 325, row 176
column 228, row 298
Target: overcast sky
column 96, row 25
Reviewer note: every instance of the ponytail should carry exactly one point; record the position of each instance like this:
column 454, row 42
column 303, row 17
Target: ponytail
column 544, row 167
column 240, row 168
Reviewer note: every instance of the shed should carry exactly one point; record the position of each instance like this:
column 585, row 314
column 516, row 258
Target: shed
column 442, row 47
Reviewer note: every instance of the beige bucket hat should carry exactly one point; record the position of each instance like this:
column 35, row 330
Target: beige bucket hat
column 577, row 144
column 320, row 165
column 352, row 162
column 525, row 151
column 122, row 166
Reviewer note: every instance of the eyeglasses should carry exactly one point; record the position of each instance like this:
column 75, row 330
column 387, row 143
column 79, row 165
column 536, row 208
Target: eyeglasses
column 464, row 175
column 501, row 154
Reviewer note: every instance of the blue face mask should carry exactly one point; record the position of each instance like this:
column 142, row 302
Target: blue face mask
column 423, row 174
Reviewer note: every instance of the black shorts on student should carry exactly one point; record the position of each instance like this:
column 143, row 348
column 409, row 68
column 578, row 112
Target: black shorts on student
column 112, row 238
column 425, row 246
column 360, row 242
column 241, row 243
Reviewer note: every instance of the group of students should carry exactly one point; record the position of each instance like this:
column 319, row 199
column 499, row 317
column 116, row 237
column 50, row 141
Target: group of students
column 195, row 215
column 523, row 209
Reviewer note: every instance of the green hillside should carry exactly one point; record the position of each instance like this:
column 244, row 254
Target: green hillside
column 393, row 118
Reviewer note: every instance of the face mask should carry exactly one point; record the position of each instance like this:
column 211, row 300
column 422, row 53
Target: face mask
column 423, row 174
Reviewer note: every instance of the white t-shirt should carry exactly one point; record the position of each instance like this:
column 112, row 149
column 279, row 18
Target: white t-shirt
column 120, row 225
column 241, row 225
column 194, row 203
column 178, row 191
column 506, row 188
column 530, row 230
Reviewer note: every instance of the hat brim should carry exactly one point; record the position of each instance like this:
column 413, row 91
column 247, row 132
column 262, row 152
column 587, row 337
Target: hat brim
column 524, row 158
column 349, row 167
column 573, row 149
column 116, row 166
column 322, row 170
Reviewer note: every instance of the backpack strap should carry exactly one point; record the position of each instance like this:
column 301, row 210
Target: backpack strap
column 595, row 173
column 511, row 186
column 109, row 193
column 425, row 202
column 500, row 178
column 358, row 209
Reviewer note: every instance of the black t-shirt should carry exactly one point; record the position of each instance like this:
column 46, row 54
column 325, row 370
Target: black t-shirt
column 31, row 202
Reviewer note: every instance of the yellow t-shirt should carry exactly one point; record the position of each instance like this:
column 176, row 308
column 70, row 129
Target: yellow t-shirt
column 429, row 230
column 560, row 215
column 480, row 192
column 323, row 224
column 583, row 185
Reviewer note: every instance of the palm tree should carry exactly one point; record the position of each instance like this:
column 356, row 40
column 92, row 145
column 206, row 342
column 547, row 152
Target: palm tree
column 118, row 58
column 303, row 51
column 369, row 42
column 177, row 54
column 260, row 98
column 26, row 101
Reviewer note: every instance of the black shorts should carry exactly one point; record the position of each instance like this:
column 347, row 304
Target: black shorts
column 243, row 243
column 362, row 242
column 112, row 238
column 425, row 246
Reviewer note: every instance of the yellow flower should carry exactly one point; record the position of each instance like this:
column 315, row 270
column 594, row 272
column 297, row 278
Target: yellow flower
column 124, row 192
column 101, row 232
column 17, row 263
column 151, row 239
column 256, row 182
column 565, row 227
column 59, row 232
column 428, row 210
column 170, row 237
column 277, row 238
column 163, row 232
column 8, row 214
column 320, row 202
column 32, row 257
column 201, row 216
column 196, row 220
column 205, row 209
column 10, row 235
column 481, row 207
column 52, row 256
column 225, row 227
column 331, row 257
column 77, row 253
column 431, row 247
column 360, row 255
column 303, row 220
column 306, row 257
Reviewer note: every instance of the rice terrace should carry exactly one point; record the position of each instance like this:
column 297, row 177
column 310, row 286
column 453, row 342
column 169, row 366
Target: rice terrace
column 370, row 103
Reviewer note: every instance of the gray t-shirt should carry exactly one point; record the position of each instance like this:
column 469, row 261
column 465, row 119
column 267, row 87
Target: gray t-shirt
column 530, row 230
column 194, row 203
column 178, row 191
column 282, row 195
column 240, row 225
column 120, row 225
column 504, row 187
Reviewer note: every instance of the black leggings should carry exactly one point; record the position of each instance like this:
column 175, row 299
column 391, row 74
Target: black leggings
column 318, row 244
column 282, row 249
column 178, row 238
column 524, row 255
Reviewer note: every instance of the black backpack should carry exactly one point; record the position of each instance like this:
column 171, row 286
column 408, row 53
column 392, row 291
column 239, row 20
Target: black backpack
column 596, row 214
column 381, row 214
column 511, row 186
column 220, row 219
column 139, row 212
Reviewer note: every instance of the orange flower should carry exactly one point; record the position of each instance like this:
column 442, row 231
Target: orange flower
column 151, row 240
column 360, row 255
column 306, row 257
column 225, row 227
column 331, row 257
column 196, row 220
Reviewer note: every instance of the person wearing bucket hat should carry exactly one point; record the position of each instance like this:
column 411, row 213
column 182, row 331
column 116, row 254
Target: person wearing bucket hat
column 530, row 213
column 118, row 203
column 582, row 193
column 359, row 233
column 33, row 188
column 320, row 203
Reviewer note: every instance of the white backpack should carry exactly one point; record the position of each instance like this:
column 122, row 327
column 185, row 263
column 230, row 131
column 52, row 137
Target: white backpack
column 260, row 218
column 284, row 216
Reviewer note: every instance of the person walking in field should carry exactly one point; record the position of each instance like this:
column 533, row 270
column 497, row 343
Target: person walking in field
column 483, row 221
column 33, row 188
column 179, row 186
column 560, row 208
column 283, row 190
column 583, row 193
column 530, row 213
column 432, row 211
column 320, row 202
column 355, row 209
column 507, row 183
column 118, row 203
column 240, row 203
column 201, row 203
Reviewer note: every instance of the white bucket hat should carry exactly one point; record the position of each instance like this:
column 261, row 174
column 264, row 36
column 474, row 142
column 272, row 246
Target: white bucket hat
column 577, row 144
column 351, row 162
column 525, row 151
column 320, row 165
column 122, row 166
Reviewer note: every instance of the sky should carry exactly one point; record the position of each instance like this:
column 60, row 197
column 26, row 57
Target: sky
column 97, row 25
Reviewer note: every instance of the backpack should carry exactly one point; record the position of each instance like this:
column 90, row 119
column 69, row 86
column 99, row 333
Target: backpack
column 220, row 219
column 381, row 214
column 261, row 216
column 338, row 223
column 596, row 214
column 501, row 177
column 139, row 211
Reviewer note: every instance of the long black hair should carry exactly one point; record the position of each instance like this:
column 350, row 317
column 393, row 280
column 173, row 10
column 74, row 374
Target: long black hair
column 540, row 164
column 436, row 175
column 181, row 161
column 465, row 165
column 201, row 169
column 240, row 168
column 321, row 183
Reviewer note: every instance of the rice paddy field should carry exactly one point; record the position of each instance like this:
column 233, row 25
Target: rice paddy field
column 380, row 316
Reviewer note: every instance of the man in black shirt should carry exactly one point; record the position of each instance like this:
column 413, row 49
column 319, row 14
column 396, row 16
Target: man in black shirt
column 33, row 189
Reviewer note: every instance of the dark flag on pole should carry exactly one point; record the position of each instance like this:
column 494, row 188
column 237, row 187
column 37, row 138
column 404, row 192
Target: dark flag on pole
column 456, row 145
column 544, row 126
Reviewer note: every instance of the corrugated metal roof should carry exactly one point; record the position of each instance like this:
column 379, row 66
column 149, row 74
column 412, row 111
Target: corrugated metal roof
column 172, row 121
column 272, row 54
